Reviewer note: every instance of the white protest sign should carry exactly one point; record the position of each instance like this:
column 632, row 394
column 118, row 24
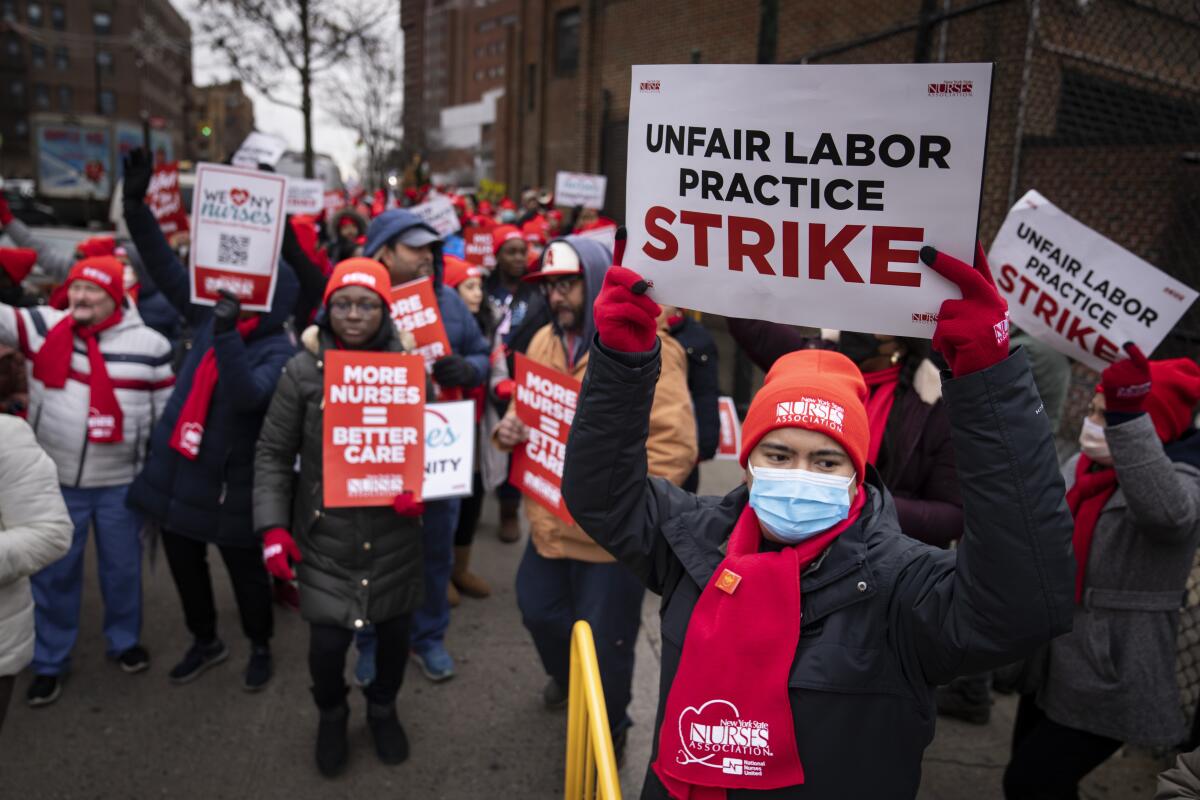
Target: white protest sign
column 438, row 213
column 605, row 235
column 579, row 189
column 237, row 228
column 803, row 194
column 259, row 148
column 1077, row 291
column 305, row 196
column 449, row 449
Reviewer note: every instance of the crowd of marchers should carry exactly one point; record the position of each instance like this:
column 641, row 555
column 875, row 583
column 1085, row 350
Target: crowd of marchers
column 907, row 556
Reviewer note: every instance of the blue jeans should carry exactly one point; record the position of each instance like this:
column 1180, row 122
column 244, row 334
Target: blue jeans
column 58, row 589
column 430, row 621
column 553, row 593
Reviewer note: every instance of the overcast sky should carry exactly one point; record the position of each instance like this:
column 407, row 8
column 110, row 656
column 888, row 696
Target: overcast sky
column 269, row 117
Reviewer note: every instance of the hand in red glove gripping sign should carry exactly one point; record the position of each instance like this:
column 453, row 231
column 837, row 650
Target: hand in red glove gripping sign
column 278, row 547
column 972, row 333
column 407, row 505
column 626, row 319
column 1126, row 383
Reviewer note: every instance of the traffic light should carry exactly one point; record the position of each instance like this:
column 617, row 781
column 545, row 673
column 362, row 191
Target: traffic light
column 206, row 130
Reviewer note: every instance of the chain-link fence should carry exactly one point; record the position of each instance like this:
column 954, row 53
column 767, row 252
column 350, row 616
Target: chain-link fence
column 1096, row 104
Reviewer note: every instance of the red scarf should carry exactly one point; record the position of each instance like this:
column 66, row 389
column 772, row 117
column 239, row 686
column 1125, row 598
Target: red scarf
column 189, row 428
column 1086, row 500
column 883, row 394
column 728, row 719
column 52, row 366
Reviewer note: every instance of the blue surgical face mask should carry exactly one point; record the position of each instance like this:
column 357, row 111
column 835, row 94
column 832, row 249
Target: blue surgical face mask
column 795, row 504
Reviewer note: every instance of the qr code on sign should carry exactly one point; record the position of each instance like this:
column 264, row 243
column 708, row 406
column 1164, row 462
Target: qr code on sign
column 233, row 250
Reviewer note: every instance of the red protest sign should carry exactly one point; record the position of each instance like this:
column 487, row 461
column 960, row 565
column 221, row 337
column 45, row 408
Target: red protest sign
column 478, row 245
column 374, row 425
column 545, row 401
column 165, row 200
column 730, row 444
column 415, row 309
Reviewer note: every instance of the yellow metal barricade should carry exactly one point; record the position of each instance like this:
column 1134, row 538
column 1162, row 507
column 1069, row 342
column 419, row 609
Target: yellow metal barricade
column 591, row 765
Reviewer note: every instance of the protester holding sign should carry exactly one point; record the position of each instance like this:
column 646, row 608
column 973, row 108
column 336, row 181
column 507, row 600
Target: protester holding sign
column 467, row 280
column 802, row 578
column 357, row 566
column 196, row 485
column 410, row 249
column 1134, row 490
column 910, row 429
column 98, row 381
column 565, row 575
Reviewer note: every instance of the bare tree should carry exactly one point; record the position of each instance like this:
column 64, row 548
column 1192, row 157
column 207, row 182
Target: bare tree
column 369, row 102
column 279, row 46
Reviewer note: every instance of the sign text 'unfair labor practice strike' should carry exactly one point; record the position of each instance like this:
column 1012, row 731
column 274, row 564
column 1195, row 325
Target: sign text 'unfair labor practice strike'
column 803, row 194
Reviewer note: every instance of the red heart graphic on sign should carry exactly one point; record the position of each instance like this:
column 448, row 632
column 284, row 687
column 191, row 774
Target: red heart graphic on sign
column 238, row 196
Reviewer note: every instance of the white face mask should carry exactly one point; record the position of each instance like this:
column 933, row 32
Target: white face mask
column 1093, row 442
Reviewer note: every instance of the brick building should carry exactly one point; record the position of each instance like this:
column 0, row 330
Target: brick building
column 455, row 62
column 223, row 117
column 106, row 64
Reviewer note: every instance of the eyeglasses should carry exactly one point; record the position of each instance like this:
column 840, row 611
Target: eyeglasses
column 563, row 285
column 341, row 308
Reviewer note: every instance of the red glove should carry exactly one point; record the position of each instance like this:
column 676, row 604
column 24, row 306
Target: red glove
column 626, row 319
column 1126, row 383
column 504, row 389
column 407, row 506
column 278, row 547
column 6, row 215
column 972, row 333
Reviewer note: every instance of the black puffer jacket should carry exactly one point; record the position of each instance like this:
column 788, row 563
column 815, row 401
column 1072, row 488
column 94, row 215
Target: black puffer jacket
column 360, row 565
column 886, row 618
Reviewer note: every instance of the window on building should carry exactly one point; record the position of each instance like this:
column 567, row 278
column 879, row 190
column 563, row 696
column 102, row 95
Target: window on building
column 14, row 46
column 62, row 60
column 58, row 17
column 66, row 99
column 486, row 25
column 508, row 19
column 566, row 42
column 41, row 95
column 16, row 90
column 8, row 10
column 33, row 14
column 37, row 54
column 104, row 62
column 108, row 102
column 21, row 129
column 102, row 22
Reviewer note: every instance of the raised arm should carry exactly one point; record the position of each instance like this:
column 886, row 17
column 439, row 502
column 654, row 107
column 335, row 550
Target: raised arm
column 55, row 260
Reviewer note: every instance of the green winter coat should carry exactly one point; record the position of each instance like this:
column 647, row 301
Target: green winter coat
column 360, row 565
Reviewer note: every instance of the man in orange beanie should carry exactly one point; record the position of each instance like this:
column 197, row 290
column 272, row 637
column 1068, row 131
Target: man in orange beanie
column 100, row 378
column 803, row 633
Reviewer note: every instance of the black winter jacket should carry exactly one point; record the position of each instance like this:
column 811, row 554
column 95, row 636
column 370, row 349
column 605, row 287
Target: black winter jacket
column 885, row 618
column 703, row 378
column 360, row 565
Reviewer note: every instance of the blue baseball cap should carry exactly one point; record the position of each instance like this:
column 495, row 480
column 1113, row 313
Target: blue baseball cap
column 400, row 225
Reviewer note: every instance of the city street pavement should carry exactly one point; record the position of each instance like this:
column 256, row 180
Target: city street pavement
column 482, row 735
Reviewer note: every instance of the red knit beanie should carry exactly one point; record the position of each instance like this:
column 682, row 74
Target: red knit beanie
column 365, row 272
column 96, row 246
column 1174, row 392
column 107, row 272
column 17, row 262
column 455, row 270
column 501, row 234
column 818, row 390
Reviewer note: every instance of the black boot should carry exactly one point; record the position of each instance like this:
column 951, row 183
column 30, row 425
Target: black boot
column 333, row 748
column 391, row 743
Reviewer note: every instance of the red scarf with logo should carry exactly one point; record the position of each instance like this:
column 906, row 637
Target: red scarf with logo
column 728, row 719
column 52, row 366
column 1086, row 500
column 189, row 428
column 879, row 406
